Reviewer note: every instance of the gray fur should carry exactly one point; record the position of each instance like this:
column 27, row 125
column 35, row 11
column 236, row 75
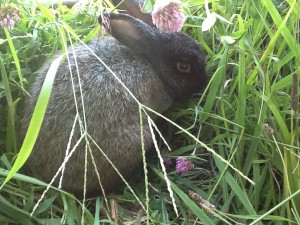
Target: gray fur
column 112, row 114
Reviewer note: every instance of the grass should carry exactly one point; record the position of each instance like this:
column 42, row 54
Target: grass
column 248, row 115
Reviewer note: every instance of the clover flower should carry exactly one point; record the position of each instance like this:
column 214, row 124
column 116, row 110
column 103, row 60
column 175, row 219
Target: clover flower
column 183, row 165
column 167, row 15
column 9, row 15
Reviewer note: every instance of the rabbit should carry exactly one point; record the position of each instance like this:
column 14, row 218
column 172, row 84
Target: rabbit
column 158, row 68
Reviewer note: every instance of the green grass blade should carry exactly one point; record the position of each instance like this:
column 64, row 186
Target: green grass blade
column 15, row 56
column 192, row 205
column 280, row 23
column 11, row 107
column 236, row 188
column 216, row 82
column 36, row 120
column 283, row 129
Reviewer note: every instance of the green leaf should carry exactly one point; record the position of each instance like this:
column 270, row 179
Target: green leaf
column 36, row 120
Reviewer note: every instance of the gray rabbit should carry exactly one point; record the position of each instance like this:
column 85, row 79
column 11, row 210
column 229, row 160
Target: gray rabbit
column 156, row 67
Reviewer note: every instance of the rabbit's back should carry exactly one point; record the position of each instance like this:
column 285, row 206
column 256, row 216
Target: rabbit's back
column 110, row 112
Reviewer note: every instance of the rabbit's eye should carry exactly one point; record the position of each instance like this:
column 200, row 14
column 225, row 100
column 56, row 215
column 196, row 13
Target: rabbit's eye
column 183, row 67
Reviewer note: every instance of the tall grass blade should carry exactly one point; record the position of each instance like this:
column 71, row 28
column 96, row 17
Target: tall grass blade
column 36, row 120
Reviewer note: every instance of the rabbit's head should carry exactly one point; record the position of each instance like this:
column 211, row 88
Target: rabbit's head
column 176, row 57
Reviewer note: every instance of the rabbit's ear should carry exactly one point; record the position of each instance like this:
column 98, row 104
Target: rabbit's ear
column 134, row 8
column 130, row 31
